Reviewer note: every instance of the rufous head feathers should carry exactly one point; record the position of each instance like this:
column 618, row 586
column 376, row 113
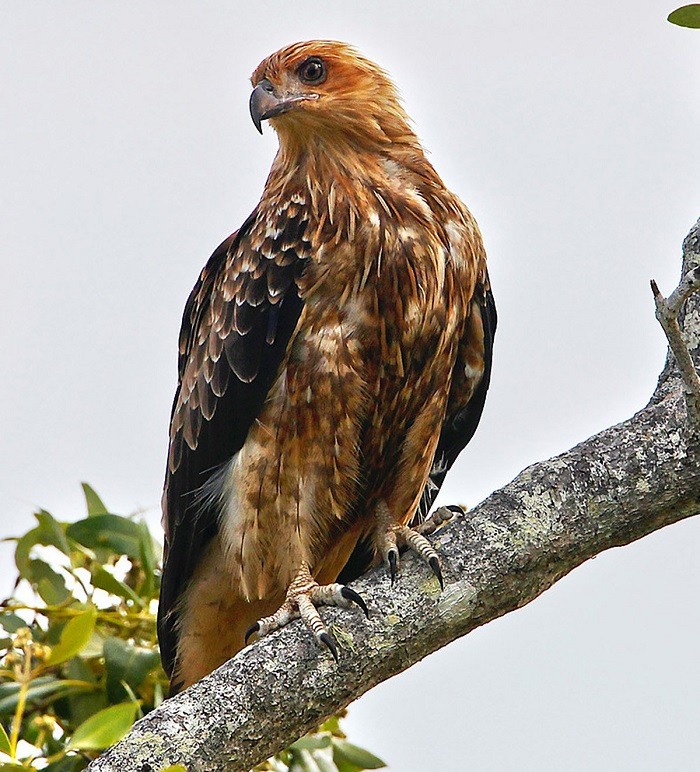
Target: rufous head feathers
column 326, row 90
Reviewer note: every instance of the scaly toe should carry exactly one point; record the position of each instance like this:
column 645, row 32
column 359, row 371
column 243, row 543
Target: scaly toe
column 285, row 614
column 401, row 536
column 303, row 598
column 417, row 543
column 438, row 518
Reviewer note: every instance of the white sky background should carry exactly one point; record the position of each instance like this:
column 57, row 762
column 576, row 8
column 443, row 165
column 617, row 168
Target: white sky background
column 572, row 132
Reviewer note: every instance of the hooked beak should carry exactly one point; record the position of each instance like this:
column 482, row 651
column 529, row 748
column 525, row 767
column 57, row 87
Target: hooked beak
column 264, row 104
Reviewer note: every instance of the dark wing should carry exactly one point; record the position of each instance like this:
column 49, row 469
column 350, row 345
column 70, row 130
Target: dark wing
column 236, row 326
column 470, row 382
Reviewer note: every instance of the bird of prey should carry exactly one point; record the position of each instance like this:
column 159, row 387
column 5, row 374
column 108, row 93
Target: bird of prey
column 334, row 359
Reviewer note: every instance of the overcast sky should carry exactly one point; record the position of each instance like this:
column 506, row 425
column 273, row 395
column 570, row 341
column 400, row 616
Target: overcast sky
column 572, row 132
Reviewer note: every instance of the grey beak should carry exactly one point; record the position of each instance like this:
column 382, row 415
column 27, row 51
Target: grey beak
column 264, row 104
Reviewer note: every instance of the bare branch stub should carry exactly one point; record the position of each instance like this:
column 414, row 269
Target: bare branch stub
column 667, row 310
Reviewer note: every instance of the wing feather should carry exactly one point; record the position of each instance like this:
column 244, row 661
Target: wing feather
column 236, row 326
column 468, row 393
column 470, row 382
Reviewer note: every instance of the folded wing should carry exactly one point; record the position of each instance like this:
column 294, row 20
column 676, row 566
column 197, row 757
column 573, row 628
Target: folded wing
column 236, row 327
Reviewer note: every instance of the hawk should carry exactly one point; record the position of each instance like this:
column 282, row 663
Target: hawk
column 334, row 359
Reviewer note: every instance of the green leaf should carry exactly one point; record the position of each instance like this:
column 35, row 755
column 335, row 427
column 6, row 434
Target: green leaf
column 24, row 545
column 318, row 760
column 352, row 754
column 50, row 593
column 48, row 533
column 48, row 582
column 324, row 761
column 71, row 763
column 149, row 559
column 12, row 622
column 332, row 725
column 40, row 689
column 9, row 767
column 346, row 766
column 78, row 669
column 311, row 742
column 104, row 728
column 95, row 505
column 303, row 761
column 107, row 581
column 93, row 648
column 9, row 689
column 75, row 634
column 686, row 16
column 52, row 527
column 99, row 531
column 174, row 768
column 4, row 741
column 127, row 663
column 81, row 705
column 54, row 746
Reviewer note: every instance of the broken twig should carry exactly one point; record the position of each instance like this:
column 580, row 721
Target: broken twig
column 667, row 310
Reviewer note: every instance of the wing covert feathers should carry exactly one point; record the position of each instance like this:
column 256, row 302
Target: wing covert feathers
column 236, row 326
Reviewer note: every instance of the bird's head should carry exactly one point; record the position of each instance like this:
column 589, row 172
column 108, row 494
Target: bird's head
column 323, row 89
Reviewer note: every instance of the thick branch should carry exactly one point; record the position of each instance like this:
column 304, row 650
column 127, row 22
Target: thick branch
column 612, row 489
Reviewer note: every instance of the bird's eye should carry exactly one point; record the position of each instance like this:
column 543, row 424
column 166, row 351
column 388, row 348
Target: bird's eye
column 312, row 70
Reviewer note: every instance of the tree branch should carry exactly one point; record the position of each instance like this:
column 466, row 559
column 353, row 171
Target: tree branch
column 614, row 488
column 667, row 310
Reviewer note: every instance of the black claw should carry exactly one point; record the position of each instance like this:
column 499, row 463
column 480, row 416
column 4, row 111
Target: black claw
column 393, row 558
column 434, row 563
column 349, row 594
column 330, row 643
column 252, row 629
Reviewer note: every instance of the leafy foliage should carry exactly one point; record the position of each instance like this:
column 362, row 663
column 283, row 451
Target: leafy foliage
column 81, row 661
column 325, row 750
column 79, row 655
column 686, row 16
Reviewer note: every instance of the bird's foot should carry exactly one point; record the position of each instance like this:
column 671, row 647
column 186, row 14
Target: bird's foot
column 395, row 537
column 304, row 595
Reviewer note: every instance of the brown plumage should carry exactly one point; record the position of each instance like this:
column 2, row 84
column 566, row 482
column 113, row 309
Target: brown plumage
column 334, row 360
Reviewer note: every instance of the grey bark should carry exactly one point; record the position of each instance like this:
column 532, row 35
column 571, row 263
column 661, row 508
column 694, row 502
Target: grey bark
column 667, row 311
column 616, row 487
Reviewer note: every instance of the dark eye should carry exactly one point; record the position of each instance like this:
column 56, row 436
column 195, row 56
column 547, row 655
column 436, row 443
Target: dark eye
column 312, row 70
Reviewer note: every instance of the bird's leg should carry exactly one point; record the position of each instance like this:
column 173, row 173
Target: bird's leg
column 303, row 597
column 392, row 536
